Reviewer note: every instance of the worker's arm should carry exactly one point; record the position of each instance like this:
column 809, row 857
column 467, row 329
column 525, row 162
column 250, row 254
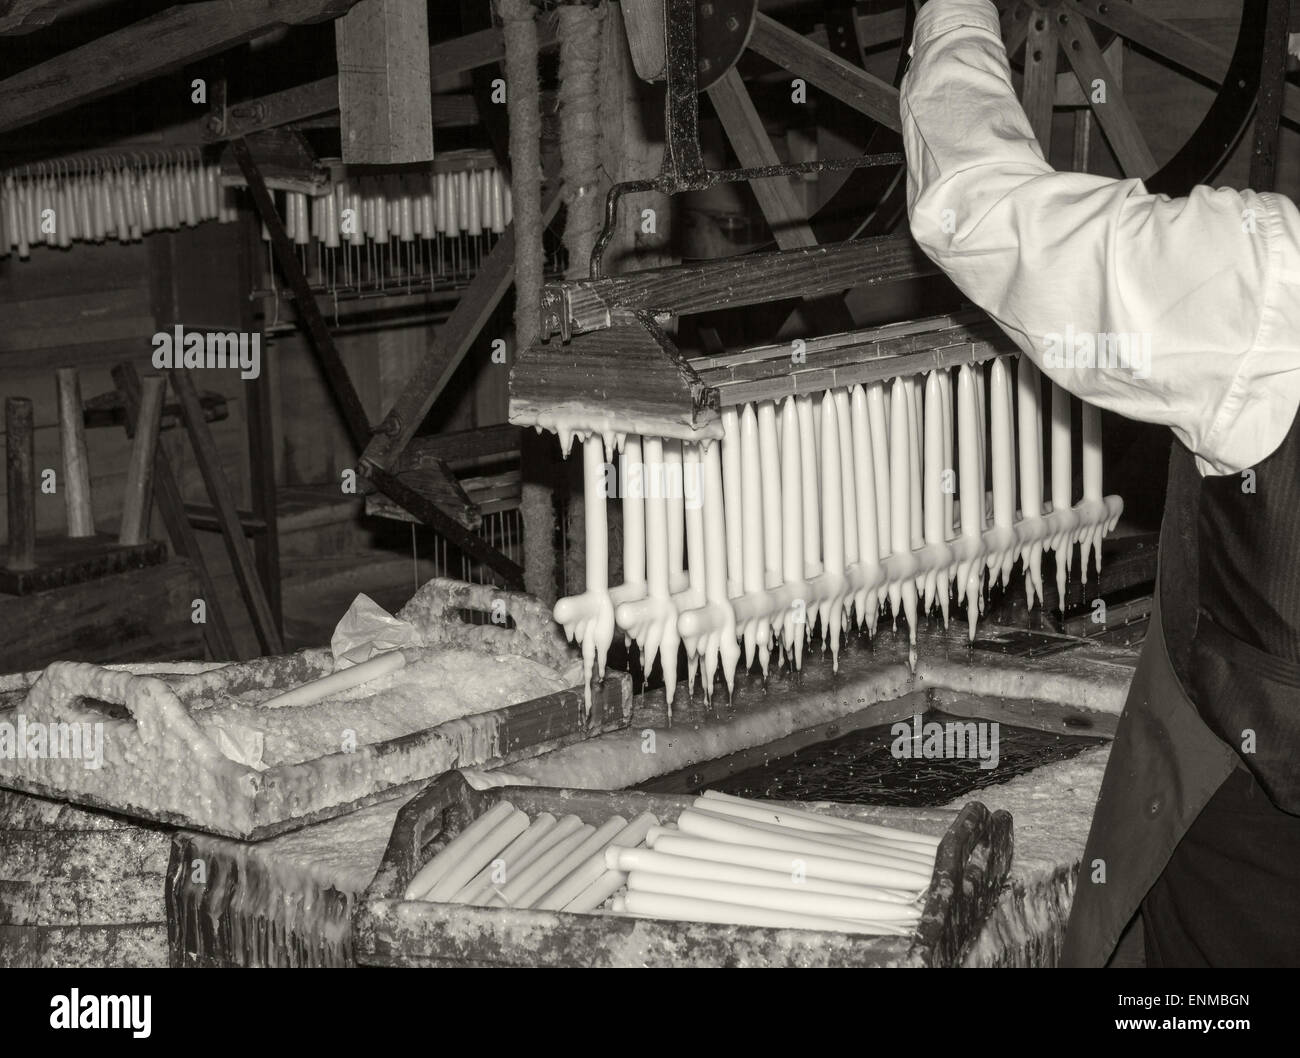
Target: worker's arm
column 1211, row 281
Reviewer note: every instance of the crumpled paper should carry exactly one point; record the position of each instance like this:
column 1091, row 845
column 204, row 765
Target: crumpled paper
column 368, row 629
column 243, row 745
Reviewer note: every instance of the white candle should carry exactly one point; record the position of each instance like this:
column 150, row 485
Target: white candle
column 627, row 860
column 1062, row 483
column 568, row 890
column 633, row 483
column 478, row 857
column 832, row 524
column 511, row 893
column 864, row 492
column 945, row 393
column 934, row 463
column 693, row 477
column 811, row 865
column 722, row 646
column 900, row 500
column 751, row 490
column 878, row 418
column 971, row 483
column 770, row 452
column 656, row 522
column 915, row 419
column 1029, row 396
column 694, row 823
column 338, row 682
column 1004, row 488
column 792, row 548
column 812, row 530
column 800, row 901
column 433, row 872
column 848, row 476
column 788, row 812
column 514, row 857
column 605, row 886
column 731, row 491
column 594, row 842
column 675, row 503
column 1091, row 452
column 681, row 908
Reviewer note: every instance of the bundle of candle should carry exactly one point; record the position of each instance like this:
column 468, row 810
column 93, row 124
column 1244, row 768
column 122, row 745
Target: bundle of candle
column 504, row 859
column 819, row 507
column 108, row 197
column 725, row 860
column 371, row 229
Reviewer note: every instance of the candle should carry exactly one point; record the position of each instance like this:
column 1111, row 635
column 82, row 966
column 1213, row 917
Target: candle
column 915, row 419
column 433, row 872
column 770, row 455
column 674, row 479
column 812, row 530
column 901, row 592
column 511, row 893
column 865, row 495
column 1062, row 484
column 576, row 882
column 632, row 487
column 1091, row 484
column 878, row 417
column 788, row 812
column 605, row 886
column 832, row 525
column 848, row 476
column 722, row 647
column 681, row 908
column 514, row 857
column 694, row 823
column 594, row 841
column 627, row 860
column 694, row 550
column 935, row 465
column 751, row 489
column 1004, row 498
column 731, row 491
column 971, row 482
column 792, row 549
column 1029, row 396
column 812, row 865
column 338, row 682
column 945, row 394
column 478, row 857
column 800, row 901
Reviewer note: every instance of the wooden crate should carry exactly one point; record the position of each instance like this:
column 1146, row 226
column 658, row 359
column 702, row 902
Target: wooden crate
column 971, row 867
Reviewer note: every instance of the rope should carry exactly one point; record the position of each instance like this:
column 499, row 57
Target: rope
column 579, row 131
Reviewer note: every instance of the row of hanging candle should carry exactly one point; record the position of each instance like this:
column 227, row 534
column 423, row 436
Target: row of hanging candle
column 122, row 202
column 823, row 507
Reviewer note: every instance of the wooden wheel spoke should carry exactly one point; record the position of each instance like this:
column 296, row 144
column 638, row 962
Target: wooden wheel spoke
column 1014, row 29
column 849, row 84
column 1114, row 115
column 1039, row 90
column 1159, row 38
column 744, row 129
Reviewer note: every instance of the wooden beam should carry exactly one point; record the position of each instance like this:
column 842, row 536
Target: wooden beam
column 1038, row 93
column 384, row 86
column 322, row 97
column 1114, row 115
column 24, row 16
column 167, row 41
column 450, row 345
column 223, row 500
column 836, row 77
column 747, row 279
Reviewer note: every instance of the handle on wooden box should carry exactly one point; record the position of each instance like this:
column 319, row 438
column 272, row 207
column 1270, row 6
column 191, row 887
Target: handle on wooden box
column 436, row 610
column 153, row 705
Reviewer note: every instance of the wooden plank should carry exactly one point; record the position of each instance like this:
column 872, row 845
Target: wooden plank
column 171, row 505
column 24, row 16
column 241, row 555
column 749, row 279
column 1038, row 92
column 837, row 77
column 1116, row 118
column 460, row 55
column 451, row 344
column 63, row 561
column 1160, row 38
column 384, row 85
column 462, row 446
column 167, row 41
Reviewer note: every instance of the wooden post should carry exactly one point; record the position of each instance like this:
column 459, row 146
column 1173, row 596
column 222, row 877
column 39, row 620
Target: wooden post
column 136, row 503
column 385, row 102
column 76, row 467
column 20, row 458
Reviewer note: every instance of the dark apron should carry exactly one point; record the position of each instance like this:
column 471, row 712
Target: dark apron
column 1165, row 763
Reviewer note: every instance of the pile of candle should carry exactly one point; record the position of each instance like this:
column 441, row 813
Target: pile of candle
column 725, row 860
column 57, row 204
column 817, row 509
column 740, row 862
column 376, row 228
column 505, row 859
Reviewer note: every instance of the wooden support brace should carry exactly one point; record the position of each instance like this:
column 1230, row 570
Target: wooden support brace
column 223, row 500
column 76, row 465
column 171, row 505
column 137, row 501
column 20, row 469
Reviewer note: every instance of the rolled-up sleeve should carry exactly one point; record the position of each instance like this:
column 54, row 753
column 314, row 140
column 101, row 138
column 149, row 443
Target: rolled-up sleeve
column 1202, row 292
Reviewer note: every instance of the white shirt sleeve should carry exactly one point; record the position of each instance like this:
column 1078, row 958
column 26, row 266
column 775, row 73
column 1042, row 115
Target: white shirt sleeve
column 1086, row 274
